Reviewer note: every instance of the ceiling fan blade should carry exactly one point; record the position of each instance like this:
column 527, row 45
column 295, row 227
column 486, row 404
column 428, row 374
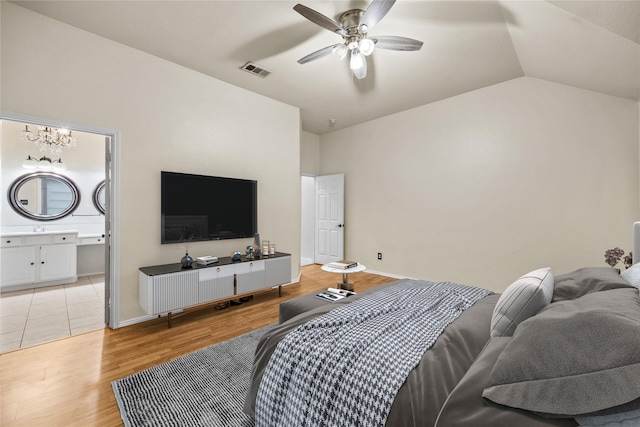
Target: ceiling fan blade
column 396, row 43
column 318, row 54
column 374, row 13
column 319, row 19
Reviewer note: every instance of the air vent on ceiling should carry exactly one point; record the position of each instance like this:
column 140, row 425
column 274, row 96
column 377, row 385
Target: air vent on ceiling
column 252, row 68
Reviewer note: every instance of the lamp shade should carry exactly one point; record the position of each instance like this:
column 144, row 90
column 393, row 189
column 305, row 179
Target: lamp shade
column 341, row 50
column 29, row 163
column 58, row 165
column 358, row 64
column 45, row 164
column 366, row 46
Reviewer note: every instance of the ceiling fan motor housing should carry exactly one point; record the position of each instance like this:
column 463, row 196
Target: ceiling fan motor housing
column 350, row 20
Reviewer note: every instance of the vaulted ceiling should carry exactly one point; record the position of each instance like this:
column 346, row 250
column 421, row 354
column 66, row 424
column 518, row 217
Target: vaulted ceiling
column 468, row 45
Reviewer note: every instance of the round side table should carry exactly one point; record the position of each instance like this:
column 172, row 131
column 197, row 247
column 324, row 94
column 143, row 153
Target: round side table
column 345, row 274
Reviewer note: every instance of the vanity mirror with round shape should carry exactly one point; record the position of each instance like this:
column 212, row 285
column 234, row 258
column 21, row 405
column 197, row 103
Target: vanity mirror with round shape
column 99, row 198
column 44, row 196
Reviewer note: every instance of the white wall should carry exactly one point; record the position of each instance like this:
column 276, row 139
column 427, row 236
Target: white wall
column 309, row 153
column 486, row 186
column 169, row 118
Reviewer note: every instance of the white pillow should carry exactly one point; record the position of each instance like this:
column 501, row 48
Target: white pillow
column 632, row 275
column 521, row 300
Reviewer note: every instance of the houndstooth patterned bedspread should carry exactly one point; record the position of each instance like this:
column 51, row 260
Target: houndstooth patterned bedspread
column 344, row 368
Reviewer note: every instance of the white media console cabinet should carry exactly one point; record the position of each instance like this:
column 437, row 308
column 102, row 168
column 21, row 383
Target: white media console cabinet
column 169, row 288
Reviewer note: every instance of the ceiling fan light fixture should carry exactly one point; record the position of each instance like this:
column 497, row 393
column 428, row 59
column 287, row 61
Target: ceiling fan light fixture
column 341, row 50
column 354, row 26
column 366, row 46
column 358, row 64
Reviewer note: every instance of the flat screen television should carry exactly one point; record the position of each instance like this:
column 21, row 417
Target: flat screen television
column 200, row 207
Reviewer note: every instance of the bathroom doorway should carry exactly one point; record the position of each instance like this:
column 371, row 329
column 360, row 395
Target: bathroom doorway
column 87, row 303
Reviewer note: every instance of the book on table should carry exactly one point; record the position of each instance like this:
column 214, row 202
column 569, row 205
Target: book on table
column 333, row 294
column 343, row 264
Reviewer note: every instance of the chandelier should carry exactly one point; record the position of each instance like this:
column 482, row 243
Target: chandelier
column 49, row 138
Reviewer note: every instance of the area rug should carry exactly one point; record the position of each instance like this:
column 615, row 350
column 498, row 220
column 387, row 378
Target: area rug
column 204, row 388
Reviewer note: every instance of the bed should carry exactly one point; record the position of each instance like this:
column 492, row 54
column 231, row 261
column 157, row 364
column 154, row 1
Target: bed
column 551, row 350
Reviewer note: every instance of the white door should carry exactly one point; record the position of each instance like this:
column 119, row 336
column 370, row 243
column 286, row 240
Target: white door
column 329, row 218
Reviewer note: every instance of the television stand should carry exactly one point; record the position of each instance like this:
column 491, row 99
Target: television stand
column 169, row 289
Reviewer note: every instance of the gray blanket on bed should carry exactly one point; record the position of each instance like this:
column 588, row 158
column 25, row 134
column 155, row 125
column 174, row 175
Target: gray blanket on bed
column 347, row 365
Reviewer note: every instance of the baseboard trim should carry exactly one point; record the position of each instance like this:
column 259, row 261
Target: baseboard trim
column 135, row 320
column 382, row 273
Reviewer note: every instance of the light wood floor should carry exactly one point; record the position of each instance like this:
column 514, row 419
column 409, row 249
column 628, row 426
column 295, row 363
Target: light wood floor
column 68, row 382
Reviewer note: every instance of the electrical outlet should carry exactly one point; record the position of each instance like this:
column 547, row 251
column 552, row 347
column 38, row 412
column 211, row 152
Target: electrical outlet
column 379, row 255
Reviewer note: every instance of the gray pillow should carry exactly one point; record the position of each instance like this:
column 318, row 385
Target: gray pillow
column 573, row 358
column 465, row 408
column 586, row 280
column 521, row 300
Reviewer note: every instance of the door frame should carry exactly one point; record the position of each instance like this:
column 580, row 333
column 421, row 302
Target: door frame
column 307, row 220
column 112, row 229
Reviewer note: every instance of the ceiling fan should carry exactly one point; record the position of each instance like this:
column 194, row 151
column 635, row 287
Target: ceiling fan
column 354, row 27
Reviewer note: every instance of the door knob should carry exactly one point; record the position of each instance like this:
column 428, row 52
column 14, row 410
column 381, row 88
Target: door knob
column 340, row 225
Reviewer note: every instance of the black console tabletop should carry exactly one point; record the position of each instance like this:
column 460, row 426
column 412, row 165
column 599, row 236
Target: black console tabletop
column 177, row 267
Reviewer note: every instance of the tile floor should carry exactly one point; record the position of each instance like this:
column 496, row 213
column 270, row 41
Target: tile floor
column 36, row 316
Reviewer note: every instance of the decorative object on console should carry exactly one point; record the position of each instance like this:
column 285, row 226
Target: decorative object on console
column 250, row 252
column 615, row 255
column 257, row 248
column 50, row 138
column 206, row 260
column 186, row 260
column 236, row 256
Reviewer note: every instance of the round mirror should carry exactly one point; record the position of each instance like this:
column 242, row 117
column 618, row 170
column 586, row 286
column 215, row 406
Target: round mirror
column 44, row 196
column 99, row 198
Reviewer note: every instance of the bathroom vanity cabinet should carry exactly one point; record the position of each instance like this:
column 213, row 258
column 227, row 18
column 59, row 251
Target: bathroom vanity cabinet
column 37, row 259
